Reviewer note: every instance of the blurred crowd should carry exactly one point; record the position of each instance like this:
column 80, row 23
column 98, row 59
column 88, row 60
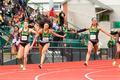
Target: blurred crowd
column 13, row 12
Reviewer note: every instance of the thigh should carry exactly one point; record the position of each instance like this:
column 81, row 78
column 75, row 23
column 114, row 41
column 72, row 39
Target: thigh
column 118, row 47
column 90, row 46
column 95, row 48
column 40, row 48
column 20, row 51
column 13, row 49
column 27, row 48
column 45, row 47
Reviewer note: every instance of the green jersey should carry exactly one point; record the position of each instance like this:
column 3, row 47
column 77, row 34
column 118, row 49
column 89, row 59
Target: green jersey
column 94, row 33
column 25, row 36
column 45, row 37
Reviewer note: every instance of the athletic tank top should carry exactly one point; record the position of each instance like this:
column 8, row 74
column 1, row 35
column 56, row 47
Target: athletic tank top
column 45, row 37
column 15, row 37
column 94, row 33
column 24, row 36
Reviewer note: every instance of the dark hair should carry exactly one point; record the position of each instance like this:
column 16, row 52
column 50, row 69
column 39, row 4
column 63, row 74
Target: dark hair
column 49, row 23
column 40, row 23
column 16, row 26
column 26, row 20
column 45, row 20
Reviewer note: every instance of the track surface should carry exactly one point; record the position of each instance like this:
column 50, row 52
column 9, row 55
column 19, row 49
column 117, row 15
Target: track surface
column 96, row 70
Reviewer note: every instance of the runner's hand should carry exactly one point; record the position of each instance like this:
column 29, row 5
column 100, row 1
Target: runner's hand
column 64, row 36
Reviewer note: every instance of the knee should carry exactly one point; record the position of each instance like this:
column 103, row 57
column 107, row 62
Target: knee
column 89, row 52
column 25, row 55
column 42, row 54
column 118, row 51
column 44, row 51
column 18, row 57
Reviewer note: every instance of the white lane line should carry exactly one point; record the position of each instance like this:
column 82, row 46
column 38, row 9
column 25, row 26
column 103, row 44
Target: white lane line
column 39, row 75
column 93, row 72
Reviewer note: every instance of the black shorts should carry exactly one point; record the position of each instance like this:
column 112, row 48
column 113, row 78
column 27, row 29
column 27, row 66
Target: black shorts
column 94, row 42
column 42, row 44
column 118, row 42
column 24, row 44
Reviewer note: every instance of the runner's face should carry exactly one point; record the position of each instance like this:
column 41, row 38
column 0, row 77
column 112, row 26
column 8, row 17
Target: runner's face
column 25, row 24
column 46, row 26
column 94, row 21
column 16, row 29
column 36, row 26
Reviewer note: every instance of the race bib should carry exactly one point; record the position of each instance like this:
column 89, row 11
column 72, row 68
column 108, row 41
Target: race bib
column 24, row 38
column 14, row 41
column 17, row 43
column 45, row 39
column 119, row 39
column 92, row 36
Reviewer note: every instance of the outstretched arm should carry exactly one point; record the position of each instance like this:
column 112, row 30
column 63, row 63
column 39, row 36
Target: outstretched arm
column 33, row 31
column 9, row 37
column 35, row 38
column 82, row 30
column 108, row 34
column 20, row 30
column 55, row 34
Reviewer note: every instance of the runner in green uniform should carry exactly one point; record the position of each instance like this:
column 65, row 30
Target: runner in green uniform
column 93, row 38
column 24, row 44
column 115, row 62
column 44, row 39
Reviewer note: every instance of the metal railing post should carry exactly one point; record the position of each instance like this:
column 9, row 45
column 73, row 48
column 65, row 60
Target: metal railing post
column 1, row 56
column 53, row 56
column 80, row 54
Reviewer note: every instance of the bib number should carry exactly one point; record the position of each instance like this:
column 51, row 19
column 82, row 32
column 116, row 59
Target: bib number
column 24, row 38
column 92, row 36
column 45, row 39
column 119, row 39
column 14, row 41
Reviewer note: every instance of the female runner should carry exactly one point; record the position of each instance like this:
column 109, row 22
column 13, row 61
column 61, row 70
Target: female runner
column 117, row 49
column 93, row 40
column 15, row 40
column 24, row 44
column 44, row 40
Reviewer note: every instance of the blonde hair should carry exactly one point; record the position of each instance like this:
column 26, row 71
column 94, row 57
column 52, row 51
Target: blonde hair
column 96, row 23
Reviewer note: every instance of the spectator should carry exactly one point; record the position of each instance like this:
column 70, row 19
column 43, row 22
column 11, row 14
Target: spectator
column 61, row 19
column 1, row 18
column 55, row 25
